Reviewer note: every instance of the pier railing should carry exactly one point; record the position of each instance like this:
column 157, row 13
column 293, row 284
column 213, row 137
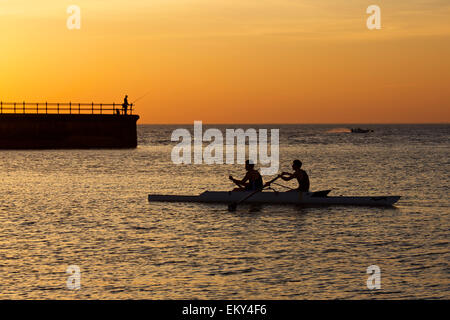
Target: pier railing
column 63, row 108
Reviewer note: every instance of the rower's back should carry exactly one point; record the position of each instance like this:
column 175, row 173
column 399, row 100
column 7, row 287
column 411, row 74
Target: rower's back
column 303, row 180
column 255, row 180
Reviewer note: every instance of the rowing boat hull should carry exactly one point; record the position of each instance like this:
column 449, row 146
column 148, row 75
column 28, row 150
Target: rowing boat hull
column 291, row 197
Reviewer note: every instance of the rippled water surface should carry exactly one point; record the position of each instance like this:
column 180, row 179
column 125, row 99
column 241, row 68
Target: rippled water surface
column 89, row 208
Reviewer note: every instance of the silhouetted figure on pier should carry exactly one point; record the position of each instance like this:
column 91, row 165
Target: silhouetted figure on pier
column 125, row 105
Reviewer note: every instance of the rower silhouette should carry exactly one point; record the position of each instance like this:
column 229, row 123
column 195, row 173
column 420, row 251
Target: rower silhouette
column 299, row 174
column 252, row 180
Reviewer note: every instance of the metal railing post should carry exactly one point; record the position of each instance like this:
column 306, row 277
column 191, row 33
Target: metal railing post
column 96, row 108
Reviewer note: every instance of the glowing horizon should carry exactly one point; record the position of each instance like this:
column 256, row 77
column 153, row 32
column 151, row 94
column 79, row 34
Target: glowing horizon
column 224, row 61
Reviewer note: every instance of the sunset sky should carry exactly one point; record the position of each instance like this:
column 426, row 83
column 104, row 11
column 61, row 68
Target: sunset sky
column 234, row 61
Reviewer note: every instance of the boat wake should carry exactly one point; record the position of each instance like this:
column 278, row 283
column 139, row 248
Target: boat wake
column 339, row 130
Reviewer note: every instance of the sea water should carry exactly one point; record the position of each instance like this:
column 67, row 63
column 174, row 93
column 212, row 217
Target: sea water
column 89, row 208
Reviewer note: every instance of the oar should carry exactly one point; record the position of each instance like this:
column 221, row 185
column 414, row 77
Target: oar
column 281, row 185
column 317, row 194
column 233, row 206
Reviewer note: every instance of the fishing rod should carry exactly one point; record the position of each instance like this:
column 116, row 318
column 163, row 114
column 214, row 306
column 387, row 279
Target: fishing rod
column 140, row 98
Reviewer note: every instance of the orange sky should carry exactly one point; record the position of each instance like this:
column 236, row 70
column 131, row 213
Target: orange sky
column 234, row 61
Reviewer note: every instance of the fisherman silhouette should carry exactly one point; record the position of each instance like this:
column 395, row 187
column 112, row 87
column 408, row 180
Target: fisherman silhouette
column 125, row 105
